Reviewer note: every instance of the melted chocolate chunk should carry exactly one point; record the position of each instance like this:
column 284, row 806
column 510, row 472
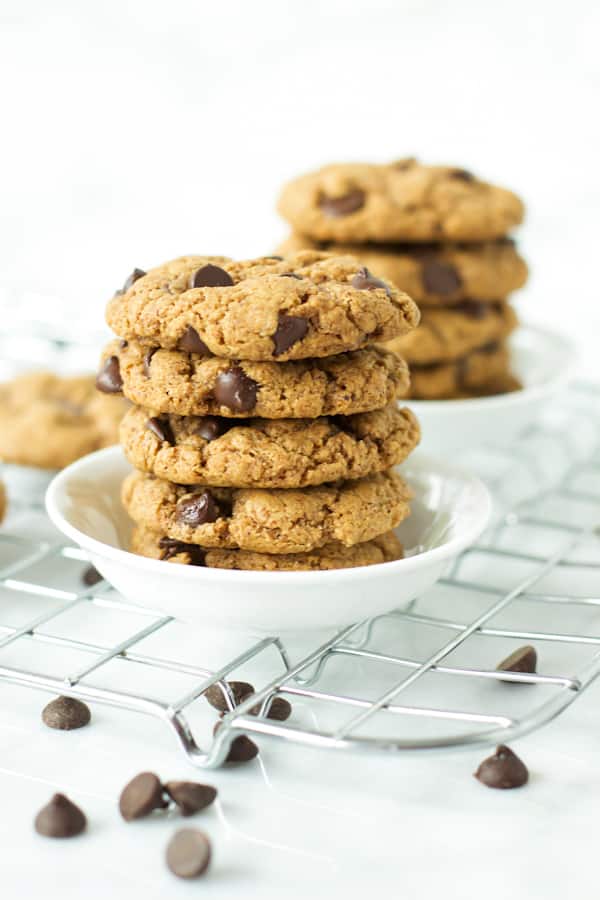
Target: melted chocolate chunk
column 235, row 390
column 290, row 330
column 475, row 309
column 108, row 379
column 365, row 281
column 191, row 342
column 210, row 276
column 131, row 279
column 198, row 509
column 147, row 360
column 440, row 277
column 171, row 547
column 335, row 207
column 210, row 427
column 503, row 770
column 161, row 428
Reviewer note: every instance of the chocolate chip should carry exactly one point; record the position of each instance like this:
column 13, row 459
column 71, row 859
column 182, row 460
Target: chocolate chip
column 123, row 344
column 365, row 281
column 524, row 659
column 91, row 576
column 191, row 342
column 235, row 390
column 242, row 749
column 198, row 509
column 279, row 710
column 131, row 279
column 108, row 379
column 492, row 347
column 188, row 853
column 170, row 547
column 273, row 257
column 66, row 714
column 290, row 330
column 210, row 276
column 190, row 796
column 291, row 275
column 141, row 796
column 161, row 428
column 60, row 818
column 342, row 206
column 440, row 277
column 503, row 770
column 462, row 175
column 475, row 309
column 241, row 690
column 210, row 427
column 342, row 423
column 147, row 360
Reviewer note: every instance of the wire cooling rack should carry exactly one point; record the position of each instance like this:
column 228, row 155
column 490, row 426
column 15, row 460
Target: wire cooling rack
column 410, row 680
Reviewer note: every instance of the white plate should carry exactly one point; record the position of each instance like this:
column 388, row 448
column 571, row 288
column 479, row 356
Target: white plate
column 450, row 510
column 543, row 362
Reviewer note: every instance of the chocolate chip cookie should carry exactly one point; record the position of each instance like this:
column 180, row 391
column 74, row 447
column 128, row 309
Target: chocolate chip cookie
column 269, row 521
column 173, row 381
column 448, row 334
column 384, row 548
column 268, row 453
column 402, row 201
column 309, row 305
column 435, row 274
column 446, row 381
column 49, row 421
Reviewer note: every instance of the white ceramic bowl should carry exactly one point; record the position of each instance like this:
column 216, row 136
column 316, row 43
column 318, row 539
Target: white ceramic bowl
column 543, row 362
column 450, row 510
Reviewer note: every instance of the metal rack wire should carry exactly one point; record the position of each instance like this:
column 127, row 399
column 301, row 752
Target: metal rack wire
column 421, row 678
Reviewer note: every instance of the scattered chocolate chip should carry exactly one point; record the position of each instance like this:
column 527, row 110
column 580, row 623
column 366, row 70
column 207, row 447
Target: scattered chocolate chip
column 279, row 710
column 191, row 342
column 235, row 390
column 66, row 714
column 141, row 796
column 241, row 690
column 161, row 428
column 365, row 281
column 60, row 818
column 462, row 175
column 440, row 277
column 291, row 275
column 198, row 509
column 188, row 853
column 91, row 576
column 503, row 770
column 342, row 206
column 147, row 360
column 108, row 379
column 190, row 796
column 242, row 749
column 170, row 547
column 290, row 330
column 211, row 276
column 524, row 659
column 475, row 309
column 210, row 428
column 131, row 279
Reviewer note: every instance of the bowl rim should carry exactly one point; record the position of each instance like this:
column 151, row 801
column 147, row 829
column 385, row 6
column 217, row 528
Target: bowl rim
column 567, row 356
column 448, row 550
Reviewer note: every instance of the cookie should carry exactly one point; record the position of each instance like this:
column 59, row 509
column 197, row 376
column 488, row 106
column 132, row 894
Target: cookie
column 471, row 373
column 501, row 384
column 49, row 421
column 188, row 384
column 269, row 521
column 267, row 453
column 309, row 305
column 402, row 201
column 436, row 274
column 448, row 334
column 384, row 548
column 3, row 501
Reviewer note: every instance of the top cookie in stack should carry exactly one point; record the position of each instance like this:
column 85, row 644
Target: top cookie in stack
column 265, row 426
column 438, row 233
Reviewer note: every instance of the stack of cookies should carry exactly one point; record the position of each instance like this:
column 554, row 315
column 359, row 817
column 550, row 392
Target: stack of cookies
column 438, row 233
column 265, row 424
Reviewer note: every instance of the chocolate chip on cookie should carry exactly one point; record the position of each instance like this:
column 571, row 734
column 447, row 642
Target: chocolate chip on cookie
column 198, row 509
column 147, row 361
column 290, row 329
column 209, row 428
column 462, row 175
column 291, row 275
column 131, row 279
column 235, row 390
column 161, row 428
column 365, row 281
column 169, row 548
column 191, row 342
column 210, row 276
column 336, row 207
column 440, row 277
column 109, row 379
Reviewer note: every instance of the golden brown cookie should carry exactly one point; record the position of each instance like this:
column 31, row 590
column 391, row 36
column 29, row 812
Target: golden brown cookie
column 448, row 380
column 402, row 201
column 448, row 334
column 267, row 453
column 435, row 274
column 187, row 384
column 310, row 305
column 384, row 548
column 269, row 521
column 49, row 421
column 3, row 501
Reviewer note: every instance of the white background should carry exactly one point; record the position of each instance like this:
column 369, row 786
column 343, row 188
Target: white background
column 137, row 130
